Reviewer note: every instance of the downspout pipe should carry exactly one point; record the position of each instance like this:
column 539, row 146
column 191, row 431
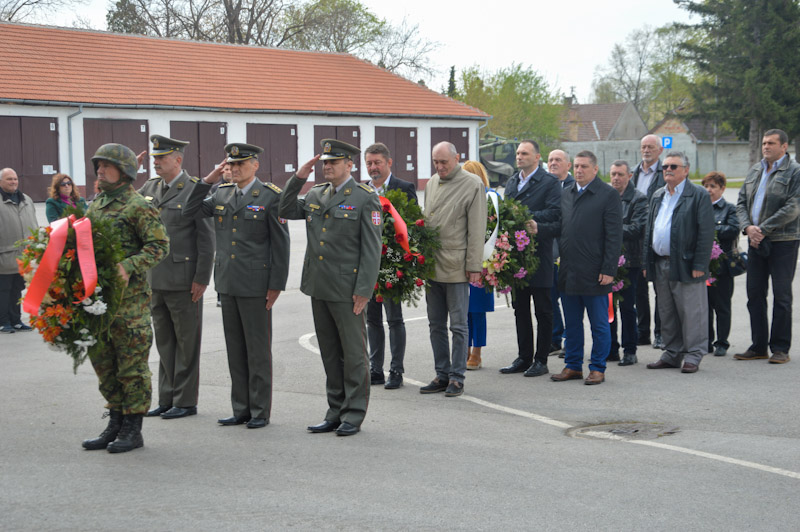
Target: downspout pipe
column 69, row 139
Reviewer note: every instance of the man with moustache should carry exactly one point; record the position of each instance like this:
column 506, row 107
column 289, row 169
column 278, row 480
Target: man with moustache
column 678, row 240
column 343, row 256
column 379, row 166
column 591, row 240
column 540, row 192
column 634, row 219
column 648, row 176
column 178, row 282
column 250, row 272
column 558, row 164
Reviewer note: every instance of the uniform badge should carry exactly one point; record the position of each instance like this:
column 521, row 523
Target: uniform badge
column 313, row 206
column 326, row 148
column 348, row 191
column 234, row 150
column 376, row 217
column 219, row 219
column 180, row 185
column 220, row 207
column 283, row 220
column 347, row 207
column 255, row 208
column 155, row 143
column 255, row 192
column 308, row 218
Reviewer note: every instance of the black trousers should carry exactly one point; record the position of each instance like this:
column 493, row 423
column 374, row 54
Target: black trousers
column 780, row 266
column 543, row 308
column 11, row 286
column 719, row 303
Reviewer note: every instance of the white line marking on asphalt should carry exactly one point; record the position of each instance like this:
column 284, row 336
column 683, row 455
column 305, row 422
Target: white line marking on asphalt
column 305, row 342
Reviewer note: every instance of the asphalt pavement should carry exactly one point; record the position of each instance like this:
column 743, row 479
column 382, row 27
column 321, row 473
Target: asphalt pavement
column 503, row 456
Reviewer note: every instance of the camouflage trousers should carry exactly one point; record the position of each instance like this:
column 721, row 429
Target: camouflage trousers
column 122, row 366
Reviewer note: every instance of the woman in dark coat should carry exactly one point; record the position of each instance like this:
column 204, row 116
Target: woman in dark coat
column 63, row 194
column 720, row 293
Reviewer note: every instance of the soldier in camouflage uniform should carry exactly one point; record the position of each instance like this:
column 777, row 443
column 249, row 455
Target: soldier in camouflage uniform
column 122, row 367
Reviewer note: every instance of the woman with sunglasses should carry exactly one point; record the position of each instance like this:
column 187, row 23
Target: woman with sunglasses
column 63, row 194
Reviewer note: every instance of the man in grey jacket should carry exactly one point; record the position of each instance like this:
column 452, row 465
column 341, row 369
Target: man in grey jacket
column 769, row 214
column 678, row 240
column 455, row 202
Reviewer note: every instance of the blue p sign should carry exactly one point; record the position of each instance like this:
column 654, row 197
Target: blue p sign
column 666, row 142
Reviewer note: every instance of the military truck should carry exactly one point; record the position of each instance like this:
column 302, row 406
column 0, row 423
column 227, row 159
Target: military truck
column 499, row 156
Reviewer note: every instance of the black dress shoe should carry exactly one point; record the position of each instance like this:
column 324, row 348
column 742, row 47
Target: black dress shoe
column 233, row 420
column 257, row 423
column 628, row 359
column 658, row 343
column 176, row 412
column 160, row 409
column 376, row 378
column 346, row 429
column 395, row 381
column 325, row 426
column 518, row 366
column 536, row 369
column 720, row 351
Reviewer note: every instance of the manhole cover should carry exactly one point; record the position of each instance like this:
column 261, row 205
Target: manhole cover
column 624, row 431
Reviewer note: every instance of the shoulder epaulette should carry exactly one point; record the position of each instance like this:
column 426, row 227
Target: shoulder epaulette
column 319, row 185
column 226, row 185
column 194, row 180
column 154, row 178
column 272, row 186
column 366, row 187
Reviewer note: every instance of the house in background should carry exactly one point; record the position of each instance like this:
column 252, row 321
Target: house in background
column 66, row 92
column 609, row 130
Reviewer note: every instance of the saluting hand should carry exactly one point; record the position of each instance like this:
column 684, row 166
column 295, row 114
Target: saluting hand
column 306, row 170
column 216, row 173
column 141, row 158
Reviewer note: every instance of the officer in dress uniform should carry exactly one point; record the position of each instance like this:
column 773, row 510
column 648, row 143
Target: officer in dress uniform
column 343, row 227
column 251, row 267
column 178, row 282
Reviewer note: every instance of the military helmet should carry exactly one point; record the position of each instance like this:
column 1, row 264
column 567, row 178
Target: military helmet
column 121, row 156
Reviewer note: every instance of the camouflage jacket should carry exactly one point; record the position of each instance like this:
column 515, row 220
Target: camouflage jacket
column 144, row 241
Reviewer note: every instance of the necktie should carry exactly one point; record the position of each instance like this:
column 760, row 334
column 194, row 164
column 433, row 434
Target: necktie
column 239, row 198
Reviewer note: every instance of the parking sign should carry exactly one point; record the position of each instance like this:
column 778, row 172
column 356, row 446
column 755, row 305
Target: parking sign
column 666, row 142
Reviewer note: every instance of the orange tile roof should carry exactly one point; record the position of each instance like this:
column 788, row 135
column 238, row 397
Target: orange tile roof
column 47, row 64
column 579, row 123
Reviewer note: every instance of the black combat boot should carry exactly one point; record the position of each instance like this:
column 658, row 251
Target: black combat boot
column 108, row 435
column 130, row 435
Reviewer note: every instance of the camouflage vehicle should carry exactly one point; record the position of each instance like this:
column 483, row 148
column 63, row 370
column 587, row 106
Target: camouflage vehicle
column 499, row 156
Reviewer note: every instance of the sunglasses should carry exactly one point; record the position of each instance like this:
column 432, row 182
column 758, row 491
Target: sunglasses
column 66, row 184
column 672, row 166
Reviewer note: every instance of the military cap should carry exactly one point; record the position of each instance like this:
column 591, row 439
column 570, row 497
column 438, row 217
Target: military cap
column 164, row 145
column 238, row 151
column 336, row 149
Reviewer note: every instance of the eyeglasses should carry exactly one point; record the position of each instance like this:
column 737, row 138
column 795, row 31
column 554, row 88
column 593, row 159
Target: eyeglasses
column 66, row 183
column 672, row 166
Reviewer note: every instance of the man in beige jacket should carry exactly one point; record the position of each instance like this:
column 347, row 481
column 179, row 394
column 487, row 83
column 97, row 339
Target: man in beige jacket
column 455, row 203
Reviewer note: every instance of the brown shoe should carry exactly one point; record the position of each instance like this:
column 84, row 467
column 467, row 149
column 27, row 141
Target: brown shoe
column 750, row 355
column 660, row 365
column 689, row 368
column 474, row 361
column 779, row 357
column 595, row 377
column 567, row 375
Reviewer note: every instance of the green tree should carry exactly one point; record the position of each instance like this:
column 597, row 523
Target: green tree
column 749, row 53
column 451, row 83
column 345, row 26
column 521, row 102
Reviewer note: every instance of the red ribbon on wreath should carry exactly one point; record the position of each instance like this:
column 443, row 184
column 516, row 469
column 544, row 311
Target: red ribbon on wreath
column 400, row 227
column 46, row 272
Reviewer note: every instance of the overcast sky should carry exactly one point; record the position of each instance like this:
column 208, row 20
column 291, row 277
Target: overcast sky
column 564, row 41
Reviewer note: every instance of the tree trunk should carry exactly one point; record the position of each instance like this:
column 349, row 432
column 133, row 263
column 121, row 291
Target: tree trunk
column 755, row 141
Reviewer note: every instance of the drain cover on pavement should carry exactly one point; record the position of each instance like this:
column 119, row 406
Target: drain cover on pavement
column 624, row 431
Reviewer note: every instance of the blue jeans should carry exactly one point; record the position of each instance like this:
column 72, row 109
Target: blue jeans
column 627, row 312
column 596, row 308
column 558, row 321
column 449, row 300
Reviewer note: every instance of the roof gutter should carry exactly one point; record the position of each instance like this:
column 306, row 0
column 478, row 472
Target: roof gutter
column 21, row 101
column 69, row 138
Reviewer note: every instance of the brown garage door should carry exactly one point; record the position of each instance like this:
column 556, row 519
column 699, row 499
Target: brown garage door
column 279, row 160
column 348, row 134
column 458, row 136
column 29, row 145
column 402, row 144
column 206, row 144
column 99, row 131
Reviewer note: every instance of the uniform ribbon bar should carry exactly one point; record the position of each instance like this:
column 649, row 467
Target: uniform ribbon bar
column 48, row 266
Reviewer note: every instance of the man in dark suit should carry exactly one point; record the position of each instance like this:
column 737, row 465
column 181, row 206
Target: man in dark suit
column 178, row 282
column 343, row 256
column 251, row 268
column 540, row 192
column 379, row 166
column 558, row 164
column 590, row 244
column 678, row 240
column 648, row 176
column 634, row 219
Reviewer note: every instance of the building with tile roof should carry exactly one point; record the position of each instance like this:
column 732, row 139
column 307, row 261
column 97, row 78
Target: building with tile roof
column 66, row 91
